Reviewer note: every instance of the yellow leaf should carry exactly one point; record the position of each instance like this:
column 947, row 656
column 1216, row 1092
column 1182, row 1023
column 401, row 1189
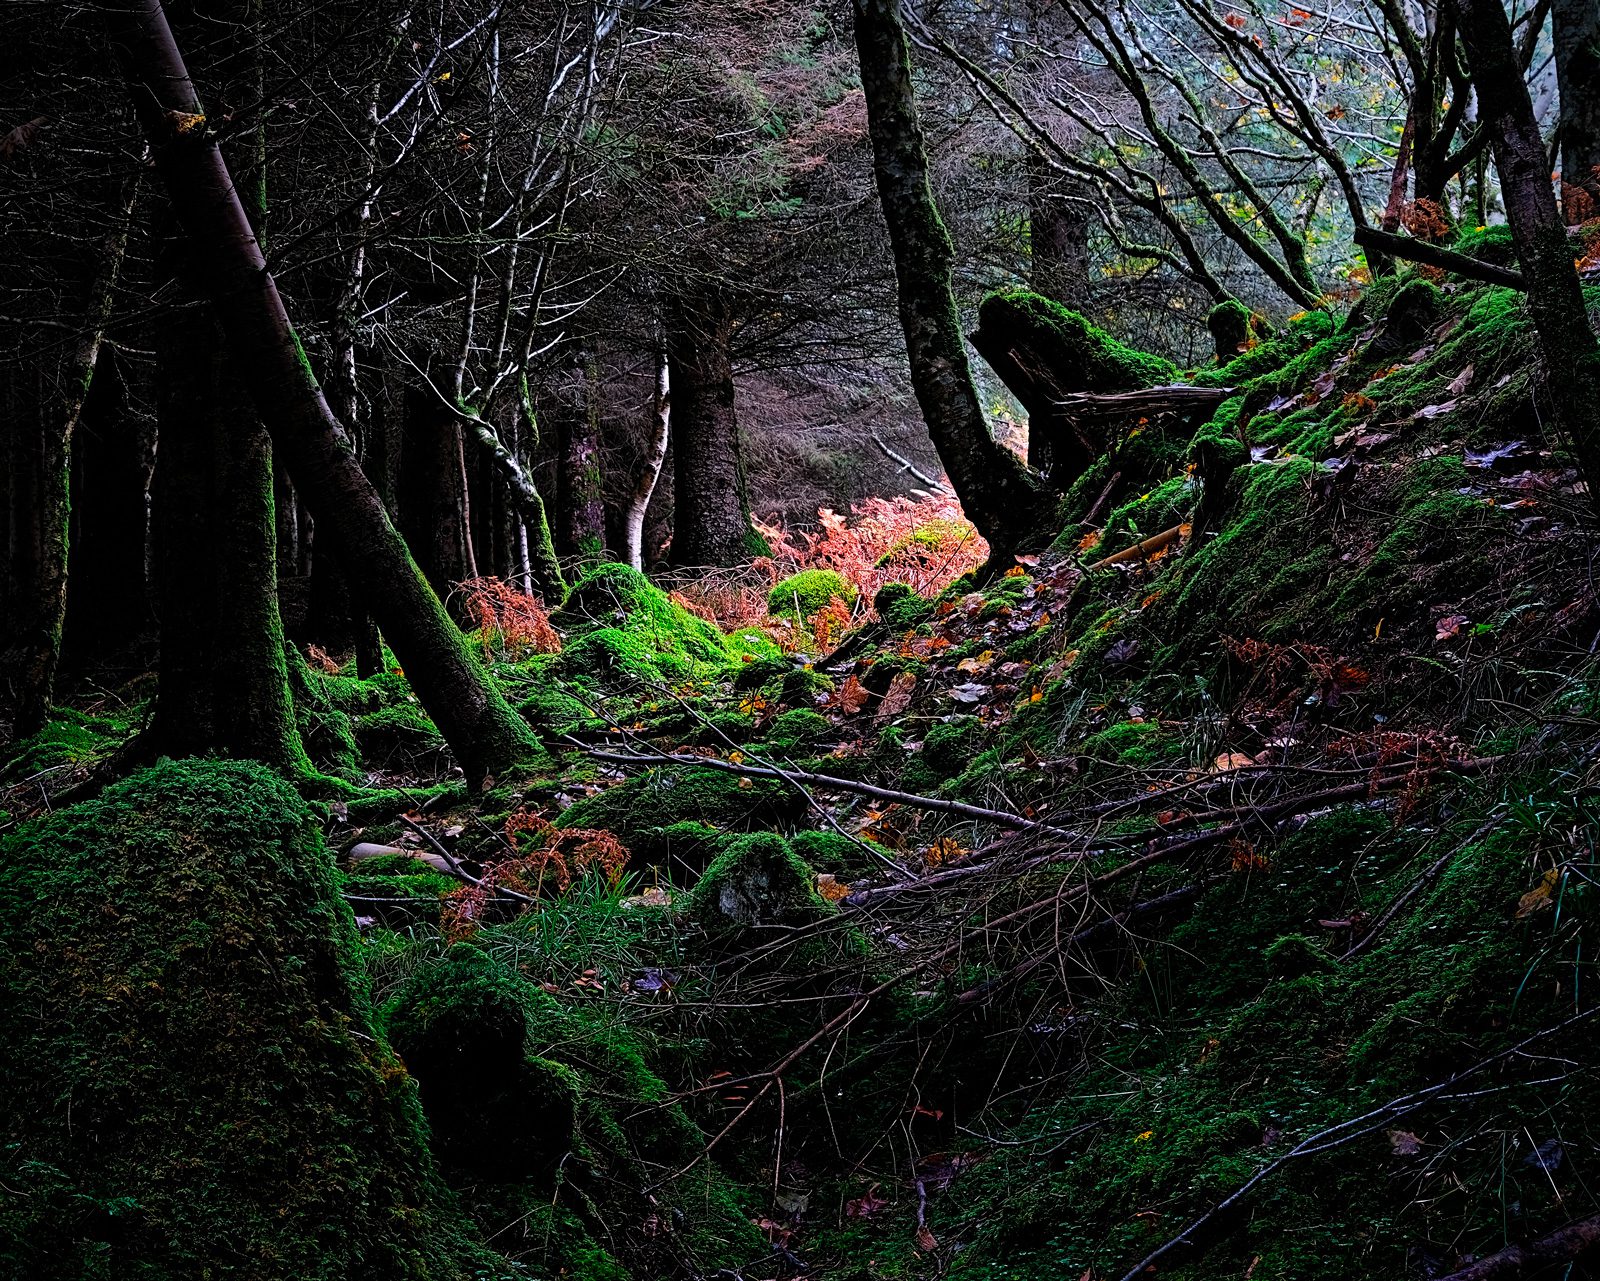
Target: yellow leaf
column 830, row 887
column 1145, row 1137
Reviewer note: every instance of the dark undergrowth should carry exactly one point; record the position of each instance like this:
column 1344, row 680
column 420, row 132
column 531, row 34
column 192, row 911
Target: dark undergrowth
column 1238, row 916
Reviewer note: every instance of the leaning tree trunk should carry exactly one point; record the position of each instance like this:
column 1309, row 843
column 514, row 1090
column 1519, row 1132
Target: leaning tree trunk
column 431, row 514
column 650, row 466
column 1555, row 298
column 1575, row 25
column 996, row 491
column 480, row 726
column 711, row 508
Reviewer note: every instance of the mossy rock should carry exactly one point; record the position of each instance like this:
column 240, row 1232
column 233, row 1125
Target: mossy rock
column 495, row 1110
column 684, row 849
column 622, row 622
column 675, row 794
column 757, row 881
column 798, row 727
column 402, row 729
column 195, row 1087
column 808, row 592
column 1233, row 326
column 899, row 605
column 949, row 746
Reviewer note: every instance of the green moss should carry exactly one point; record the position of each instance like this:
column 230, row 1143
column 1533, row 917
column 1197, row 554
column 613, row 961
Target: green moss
column 69, row 739
column 1086, row 358
column 950, row 745
column 195, row 1085
column 804, row 594
column 1488, row 244
column 1135, row 743
column 757, row 881
column 900, row 606
column 672, row 794
column 798, row 727
column 621, row 623
column 403, row 728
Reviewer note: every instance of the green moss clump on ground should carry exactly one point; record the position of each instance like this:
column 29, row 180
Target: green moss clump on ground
column 1271, row 353
column 672, row 794
column 559, row 1109
column 811, row 590
column 194, row 1086
column 899, row 605
column 758, row 880
column 621, row 622
column 403, row 728
column 70, row 739
column 798, row 727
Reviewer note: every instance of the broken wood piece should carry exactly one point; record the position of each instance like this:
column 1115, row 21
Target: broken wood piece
column 1430, row 255
column 1145, row 550
column 1179, row 398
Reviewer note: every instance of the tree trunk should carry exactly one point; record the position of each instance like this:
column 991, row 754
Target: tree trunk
column 224, row 683
column 650, row 468
column 42, row 603
column 1555, row 298
column 579, row 487
column 113, row 454
column 1575, row 26
column 711, row 509
column 995, row 489
column 1058, row 240
column 482, row 729
column 431, row 512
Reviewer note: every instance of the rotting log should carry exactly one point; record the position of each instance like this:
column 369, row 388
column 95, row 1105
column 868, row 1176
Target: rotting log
column 1178, row 399
column 1433, row 256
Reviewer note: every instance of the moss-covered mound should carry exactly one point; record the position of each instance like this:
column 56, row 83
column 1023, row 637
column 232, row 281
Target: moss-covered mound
column 592, row 1172
column 661, row 797
column 619, row 623
column 193, row 1085
column 802, row 595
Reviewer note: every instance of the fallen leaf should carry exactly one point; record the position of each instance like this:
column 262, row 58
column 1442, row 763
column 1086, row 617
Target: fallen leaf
column 1404, row 1143
column 864, row 1207
column 831, row 888
column 925, row 1239
column 1460, row 382
column 1447, row 627
column 1538, row 898
column 898, row 696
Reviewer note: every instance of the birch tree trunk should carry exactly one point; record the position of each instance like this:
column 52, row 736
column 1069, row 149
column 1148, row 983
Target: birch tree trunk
column 650, row 468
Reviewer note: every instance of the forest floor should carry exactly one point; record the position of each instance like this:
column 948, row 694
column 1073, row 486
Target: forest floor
column 1218, row 912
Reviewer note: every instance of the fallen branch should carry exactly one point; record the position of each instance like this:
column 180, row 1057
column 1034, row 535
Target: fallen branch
column 1144, row 550
column 453, row 864
column 1433, row 256
column 907, row 465
column 933, row 804
column 1561, row 1246
column 1084, row 406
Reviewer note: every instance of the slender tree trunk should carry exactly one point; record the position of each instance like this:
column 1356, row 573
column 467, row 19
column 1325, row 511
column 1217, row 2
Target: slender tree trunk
column 650, row 468
column 482, row 729
column 43, row 606
column 1575, row 26
column 996, row 491
column 1555, row 298
column 432, row 515
column 711, row 508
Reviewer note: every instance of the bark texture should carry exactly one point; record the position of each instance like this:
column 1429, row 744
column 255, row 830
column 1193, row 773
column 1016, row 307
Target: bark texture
column 482, row 729
column 650, row 466
column 711, row 507
column 995, row 489
column 1555, row 298
column 1575, row 25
